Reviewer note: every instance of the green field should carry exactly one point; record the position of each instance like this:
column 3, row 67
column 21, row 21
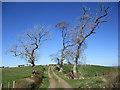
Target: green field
column 89, row 72
column 17, row 73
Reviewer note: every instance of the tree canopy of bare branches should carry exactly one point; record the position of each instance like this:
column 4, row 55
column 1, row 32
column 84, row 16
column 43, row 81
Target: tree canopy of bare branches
column 29, row 42
column 63, row 27
column 56, row 57
column 87, row 23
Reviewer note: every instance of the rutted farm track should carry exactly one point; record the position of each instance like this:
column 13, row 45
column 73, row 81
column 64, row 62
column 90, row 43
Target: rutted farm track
column 56, row 81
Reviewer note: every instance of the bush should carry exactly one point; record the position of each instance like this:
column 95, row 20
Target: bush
column 114, row 82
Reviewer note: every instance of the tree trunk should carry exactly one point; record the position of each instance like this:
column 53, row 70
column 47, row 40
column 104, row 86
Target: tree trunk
column 76, row 60
column 75, row 68
column 58, row 61
column 62, row 58
column 33, row 64
column 61, row 63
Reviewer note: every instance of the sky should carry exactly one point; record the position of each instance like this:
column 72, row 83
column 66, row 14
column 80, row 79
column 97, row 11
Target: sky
column 102, row 47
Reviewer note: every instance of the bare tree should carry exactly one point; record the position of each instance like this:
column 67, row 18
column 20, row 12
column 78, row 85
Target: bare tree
column 63, row 27
column 70, row 55
column 56, row 57
column 29, row 42
column 87, row 23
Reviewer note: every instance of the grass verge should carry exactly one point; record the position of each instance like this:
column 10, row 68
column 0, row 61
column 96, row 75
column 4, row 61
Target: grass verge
column 94, row 82
column 45, row 83
column 16, row 73
column 87, row 71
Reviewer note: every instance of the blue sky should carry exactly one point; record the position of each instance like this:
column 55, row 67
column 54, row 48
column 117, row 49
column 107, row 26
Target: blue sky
column 17, row 17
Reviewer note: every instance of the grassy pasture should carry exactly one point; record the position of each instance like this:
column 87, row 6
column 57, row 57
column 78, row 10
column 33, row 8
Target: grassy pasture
column 87, row 71
column 90, row 70
column 16, row 73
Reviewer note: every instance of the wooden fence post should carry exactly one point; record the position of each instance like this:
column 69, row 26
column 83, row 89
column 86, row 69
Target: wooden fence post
column 8, row 85
column 13, row 84
column 1, row 86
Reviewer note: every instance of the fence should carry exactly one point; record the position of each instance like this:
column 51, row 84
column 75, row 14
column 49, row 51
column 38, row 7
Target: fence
column 8, row 86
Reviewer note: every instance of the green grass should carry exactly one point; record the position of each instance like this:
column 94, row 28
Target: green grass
column 83, row 83
column 87, row 71
column 45, row 83
column 17, row 73
column 92, row 70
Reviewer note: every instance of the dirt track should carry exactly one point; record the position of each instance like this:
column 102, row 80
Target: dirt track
column 58, row 82
column 51, row 80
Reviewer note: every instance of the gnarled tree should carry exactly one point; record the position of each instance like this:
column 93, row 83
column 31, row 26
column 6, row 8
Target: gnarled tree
column 63, row 27
column 87, row 23
column 56, row 57
column 29, row 42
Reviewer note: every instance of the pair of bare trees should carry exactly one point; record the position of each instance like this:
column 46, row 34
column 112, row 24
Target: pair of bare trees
column 73, row 39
